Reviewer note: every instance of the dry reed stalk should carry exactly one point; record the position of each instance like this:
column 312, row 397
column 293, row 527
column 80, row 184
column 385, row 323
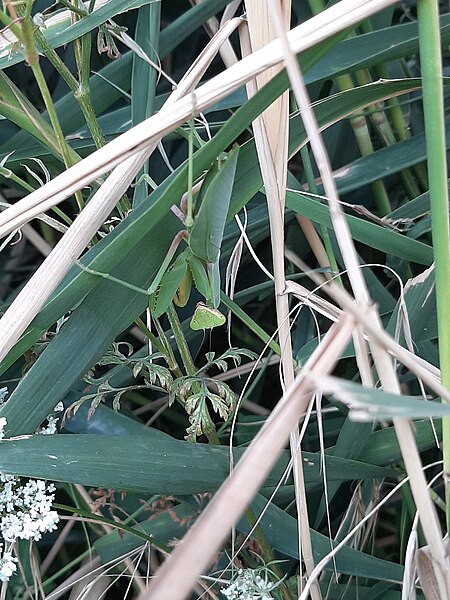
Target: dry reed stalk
column 43, row 283
column 421, row 368
column 330, row 311
column 382, row 360
column 424, row 566
column 95, row 585
column 271, row 130
column 36, row 240
column 179, row 573
column 227, row 53
column 315, row 243
column 100, row 162
column 336, row 18
column 50, row 221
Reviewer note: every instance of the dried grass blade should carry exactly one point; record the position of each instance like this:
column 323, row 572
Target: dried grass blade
column 368, row 319
column 271, row 138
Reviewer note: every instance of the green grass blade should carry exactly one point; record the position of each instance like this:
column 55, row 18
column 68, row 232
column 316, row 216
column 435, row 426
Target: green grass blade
column 144, row 78
column 368, row 233
column 150, row 463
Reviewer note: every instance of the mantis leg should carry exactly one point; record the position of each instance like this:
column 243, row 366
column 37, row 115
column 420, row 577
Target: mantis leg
column 109, row 277
column 157, row 280
column 166, row 262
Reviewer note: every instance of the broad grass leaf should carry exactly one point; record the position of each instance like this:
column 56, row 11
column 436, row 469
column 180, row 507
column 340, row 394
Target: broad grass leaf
column 281, row 531
column 371, row 234
column 152, row 463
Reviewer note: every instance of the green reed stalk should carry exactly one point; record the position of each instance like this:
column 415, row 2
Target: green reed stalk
column 433, row 103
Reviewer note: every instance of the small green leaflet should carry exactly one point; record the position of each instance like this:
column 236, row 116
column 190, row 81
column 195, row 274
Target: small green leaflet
column 205, row 317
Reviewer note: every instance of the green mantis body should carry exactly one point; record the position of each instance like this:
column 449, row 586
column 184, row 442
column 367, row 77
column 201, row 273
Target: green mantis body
column 198, row 263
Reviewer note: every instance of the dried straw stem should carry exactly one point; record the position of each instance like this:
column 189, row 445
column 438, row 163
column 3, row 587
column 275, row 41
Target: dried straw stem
column 340, row 16
column 271, row 131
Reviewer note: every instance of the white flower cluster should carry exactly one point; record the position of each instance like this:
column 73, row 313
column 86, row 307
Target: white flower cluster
column 249, row 585
column 7, row 565
column 2, row 427
column 25, row 511
column 51, row 426
column 3, row 394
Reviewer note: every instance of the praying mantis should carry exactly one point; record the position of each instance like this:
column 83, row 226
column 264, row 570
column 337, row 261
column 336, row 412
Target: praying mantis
column 199, row 262
column 204, row 219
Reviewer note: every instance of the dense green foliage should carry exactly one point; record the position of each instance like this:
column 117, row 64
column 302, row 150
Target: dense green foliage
column 130, row 410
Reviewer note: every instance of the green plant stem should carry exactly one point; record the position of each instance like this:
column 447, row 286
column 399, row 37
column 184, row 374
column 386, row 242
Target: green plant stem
column 360, row 129
column 78, row 11
column 250, row 323
column 8, row 22
column 83, row 93
column 153, row 339
column 182, row 345
column 364, row 141
column 55, row 60
column 397, row 119
column 188, row 363
column 64, row 149
column 190, row 203
column 32, row 58
column 386, row 133
column 266, row 549
column 316, row 6
column 170, row 357
column 433, row 104
column 396, row 115
column 437, row 500
column 8, row 174
column 83, row 96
